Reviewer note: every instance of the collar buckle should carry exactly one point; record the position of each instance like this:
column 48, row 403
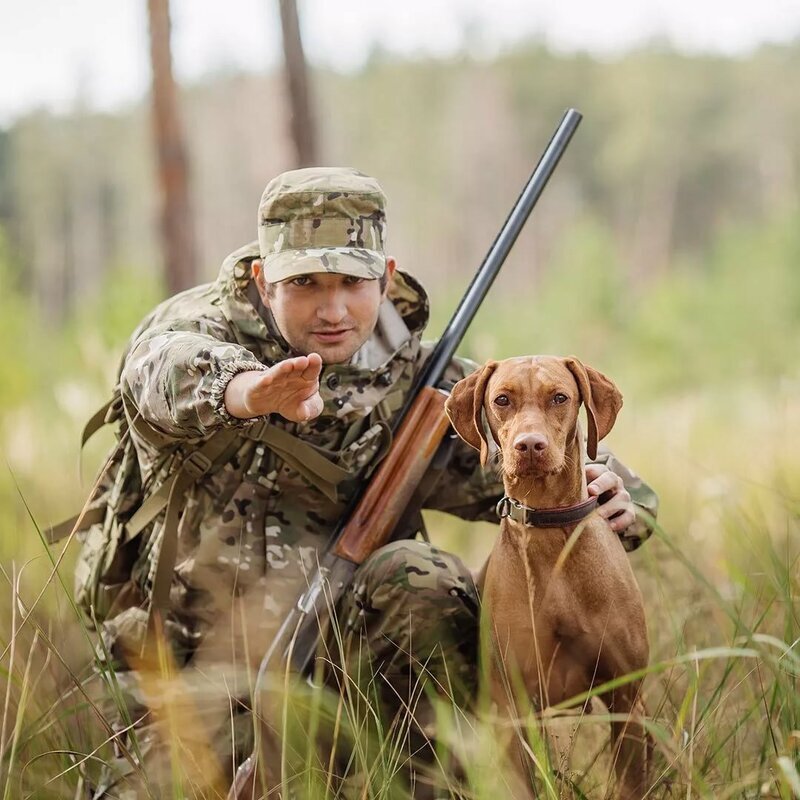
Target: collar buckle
column 503, row 508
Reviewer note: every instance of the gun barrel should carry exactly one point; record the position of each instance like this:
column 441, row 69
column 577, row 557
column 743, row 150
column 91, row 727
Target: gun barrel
column 482, row 282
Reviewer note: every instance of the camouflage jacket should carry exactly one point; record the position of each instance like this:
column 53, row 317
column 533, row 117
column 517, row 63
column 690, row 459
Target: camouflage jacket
column 257, row 524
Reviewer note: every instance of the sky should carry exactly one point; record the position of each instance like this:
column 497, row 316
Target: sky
column 54, row 54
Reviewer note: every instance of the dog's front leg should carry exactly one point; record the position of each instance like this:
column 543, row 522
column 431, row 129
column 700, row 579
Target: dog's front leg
column 632, row 743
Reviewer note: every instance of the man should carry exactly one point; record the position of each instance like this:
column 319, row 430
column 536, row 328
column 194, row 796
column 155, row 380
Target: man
column 303, row 349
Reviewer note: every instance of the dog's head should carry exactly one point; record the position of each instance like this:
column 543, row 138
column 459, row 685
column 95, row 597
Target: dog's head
column 528, row 408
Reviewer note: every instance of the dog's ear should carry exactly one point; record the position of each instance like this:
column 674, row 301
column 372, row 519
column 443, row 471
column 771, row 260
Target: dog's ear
column 464, row 408
column 602, row 400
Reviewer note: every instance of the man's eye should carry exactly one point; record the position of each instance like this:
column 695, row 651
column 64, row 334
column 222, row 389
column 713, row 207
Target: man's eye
column 301, row 280
column 560, row 398
column 501, row 400
column 353, row 280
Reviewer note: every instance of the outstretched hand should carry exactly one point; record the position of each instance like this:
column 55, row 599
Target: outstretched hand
column 290, row 388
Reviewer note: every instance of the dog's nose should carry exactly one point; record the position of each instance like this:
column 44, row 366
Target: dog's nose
column 531, row 443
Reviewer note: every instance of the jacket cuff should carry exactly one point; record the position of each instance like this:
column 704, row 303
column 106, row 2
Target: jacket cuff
column 217, row 395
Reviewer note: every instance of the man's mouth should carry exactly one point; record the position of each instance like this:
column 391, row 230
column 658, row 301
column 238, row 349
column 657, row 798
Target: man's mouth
column 330, row 337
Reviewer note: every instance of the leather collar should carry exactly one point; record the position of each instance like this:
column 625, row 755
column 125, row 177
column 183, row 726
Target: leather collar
column 545, row 517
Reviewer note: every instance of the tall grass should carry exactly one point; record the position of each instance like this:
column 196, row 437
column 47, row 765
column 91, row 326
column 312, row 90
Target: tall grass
column 720, row 580
column 712, row 420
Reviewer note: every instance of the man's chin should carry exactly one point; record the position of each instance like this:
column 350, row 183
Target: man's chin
column 331, row 356
column 333, row 352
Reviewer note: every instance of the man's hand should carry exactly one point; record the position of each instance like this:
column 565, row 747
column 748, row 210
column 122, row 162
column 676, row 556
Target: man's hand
column 290, row 388
column 618, row 509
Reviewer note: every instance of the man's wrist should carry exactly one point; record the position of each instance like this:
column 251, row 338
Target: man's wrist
column 235, row 396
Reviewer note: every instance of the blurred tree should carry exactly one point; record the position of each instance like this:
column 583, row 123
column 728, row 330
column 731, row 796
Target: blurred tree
column 176, row 216
column 674, row 149
column 302, row 119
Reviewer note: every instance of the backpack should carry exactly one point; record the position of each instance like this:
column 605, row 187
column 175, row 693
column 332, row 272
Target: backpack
column 104, row 564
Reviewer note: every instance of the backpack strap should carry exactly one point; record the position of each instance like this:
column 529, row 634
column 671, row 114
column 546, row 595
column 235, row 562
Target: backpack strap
column 319, row 470
column 309, row 461
column 172, row 495
column 77, row 523
column 205, row 460
column 107, row 413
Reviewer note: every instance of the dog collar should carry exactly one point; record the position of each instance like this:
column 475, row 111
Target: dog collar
column 545, row 517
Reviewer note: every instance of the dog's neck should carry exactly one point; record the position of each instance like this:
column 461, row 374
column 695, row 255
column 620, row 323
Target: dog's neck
column 540, row 548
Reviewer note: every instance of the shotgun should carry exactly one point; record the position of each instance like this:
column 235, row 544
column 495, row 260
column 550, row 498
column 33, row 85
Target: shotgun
column 375, row 512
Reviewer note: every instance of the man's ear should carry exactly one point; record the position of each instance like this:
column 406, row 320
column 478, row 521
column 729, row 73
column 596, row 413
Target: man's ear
column 257, row 271
column 464, row 407
column 391, row 266
column 600, row 396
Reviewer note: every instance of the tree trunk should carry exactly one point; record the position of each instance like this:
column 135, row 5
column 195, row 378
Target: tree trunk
column 176, row 216
column 302, row 127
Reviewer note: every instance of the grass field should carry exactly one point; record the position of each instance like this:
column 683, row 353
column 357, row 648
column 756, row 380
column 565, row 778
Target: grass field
column 711, row 420
column 720, row 581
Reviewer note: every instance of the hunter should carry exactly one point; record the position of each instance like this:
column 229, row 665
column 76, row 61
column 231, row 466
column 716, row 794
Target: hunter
column 284, row 375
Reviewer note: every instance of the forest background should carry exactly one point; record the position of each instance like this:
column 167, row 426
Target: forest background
column 666, row 252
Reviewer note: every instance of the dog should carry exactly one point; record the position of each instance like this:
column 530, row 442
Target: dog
column 564, row 610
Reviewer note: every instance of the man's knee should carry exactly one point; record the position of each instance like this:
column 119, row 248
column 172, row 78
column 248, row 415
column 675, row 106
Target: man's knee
column 420, row 571
column 411, row 585
column 417, row 608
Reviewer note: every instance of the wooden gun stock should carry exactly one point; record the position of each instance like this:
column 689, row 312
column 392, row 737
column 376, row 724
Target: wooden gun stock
column 396, row 479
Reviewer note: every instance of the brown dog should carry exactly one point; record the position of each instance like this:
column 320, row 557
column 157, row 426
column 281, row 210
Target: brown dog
column 563, row 618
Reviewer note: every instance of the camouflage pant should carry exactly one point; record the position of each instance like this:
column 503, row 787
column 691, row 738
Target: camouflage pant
column 407, row 627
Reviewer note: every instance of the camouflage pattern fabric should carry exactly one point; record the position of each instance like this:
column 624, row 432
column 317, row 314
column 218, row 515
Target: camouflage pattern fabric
column 411, row 616
column 322, row 219
column 251, row 531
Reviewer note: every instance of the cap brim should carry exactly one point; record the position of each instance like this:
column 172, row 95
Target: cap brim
column 357, row 262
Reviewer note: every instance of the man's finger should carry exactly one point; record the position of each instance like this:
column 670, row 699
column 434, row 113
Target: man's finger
column 309, row 391
column 313, row 367
column 607, row 481
column 622, row 521
column 619, row 502
column 595, row 471
column 282, row 369
column 618, row 510
column 298, row 364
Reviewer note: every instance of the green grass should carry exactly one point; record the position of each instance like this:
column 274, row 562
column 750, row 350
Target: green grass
column 720, row 581
column 707, row 362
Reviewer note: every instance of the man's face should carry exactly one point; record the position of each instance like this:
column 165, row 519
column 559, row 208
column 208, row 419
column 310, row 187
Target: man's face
column 324, row 312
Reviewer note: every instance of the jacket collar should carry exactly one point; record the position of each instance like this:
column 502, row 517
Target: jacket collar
column 402, row 317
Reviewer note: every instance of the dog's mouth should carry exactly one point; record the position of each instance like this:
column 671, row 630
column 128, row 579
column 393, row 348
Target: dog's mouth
column 516, row 465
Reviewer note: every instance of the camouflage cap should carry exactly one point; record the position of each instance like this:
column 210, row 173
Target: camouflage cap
column 322, row 219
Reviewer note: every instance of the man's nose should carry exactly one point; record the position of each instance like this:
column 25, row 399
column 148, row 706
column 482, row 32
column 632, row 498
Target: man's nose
column 333, row 307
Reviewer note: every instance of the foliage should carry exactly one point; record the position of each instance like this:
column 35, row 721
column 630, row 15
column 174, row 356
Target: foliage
column 731, row 320
column 673, row 149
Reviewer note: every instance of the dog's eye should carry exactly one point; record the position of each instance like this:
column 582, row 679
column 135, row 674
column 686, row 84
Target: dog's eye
column 560, row 398
column 501, row 400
